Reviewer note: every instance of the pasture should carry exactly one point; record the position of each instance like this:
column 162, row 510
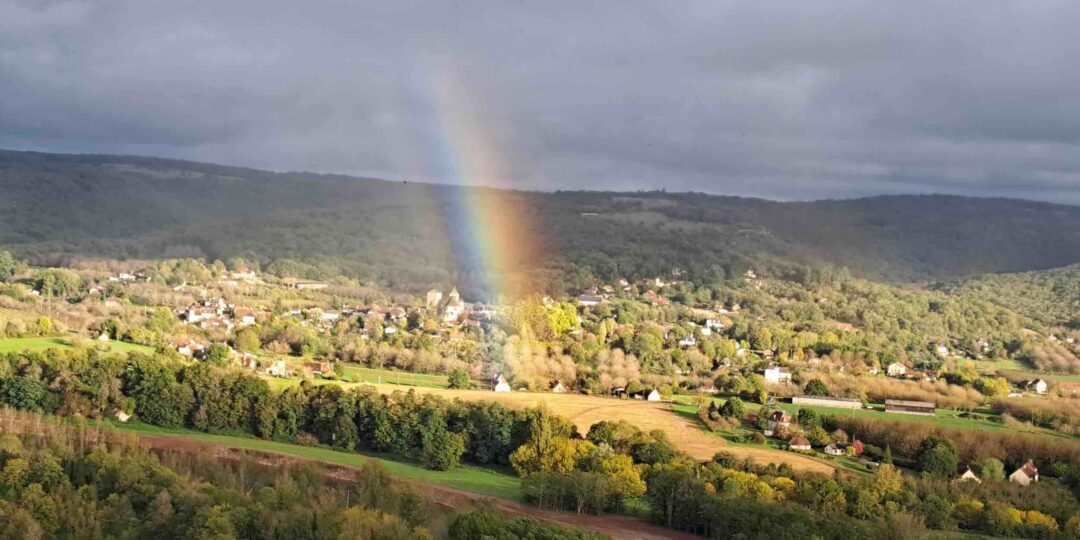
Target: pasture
column 43, row 343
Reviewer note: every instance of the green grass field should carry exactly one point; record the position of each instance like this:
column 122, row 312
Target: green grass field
column 942, row 417
column 357, row 375
column 467, row 478
column 385, row 376
column 42, row 343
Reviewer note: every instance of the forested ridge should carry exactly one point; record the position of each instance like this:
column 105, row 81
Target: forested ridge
column 405, row 234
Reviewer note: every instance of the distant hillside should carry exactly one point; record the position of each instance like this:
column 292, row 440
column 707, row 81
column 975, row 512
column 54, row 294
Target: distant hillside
column 412, row 234
column 1050, row 296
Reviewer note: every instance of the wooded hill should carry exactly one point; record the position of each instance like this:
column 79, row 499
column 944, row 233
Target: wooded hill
column 410, row 234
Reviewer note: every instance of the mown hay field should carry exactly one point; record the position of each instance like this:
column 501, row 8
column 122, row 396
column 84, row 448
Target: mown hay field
column 584, row 411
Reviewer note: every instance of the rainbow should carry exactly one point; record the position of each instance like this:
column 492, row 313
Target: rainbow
column 492, row 230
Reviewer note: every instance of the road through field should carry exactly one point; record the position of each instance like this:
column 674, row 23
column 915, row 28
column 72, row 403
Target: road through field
column 584, row 411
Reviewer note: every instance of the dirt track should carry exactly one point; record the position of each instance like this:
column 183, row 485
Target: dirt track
column 617, row 527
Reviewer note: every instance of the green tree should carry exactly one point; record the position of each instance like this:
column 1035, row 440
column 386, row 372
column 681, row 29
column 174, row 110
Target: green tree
column 937, row 456
column 247, row 340
column 733, row 408
column 991, row 469
column 8, row 266
column 459, row 379
column 816, row 388
column 442, row 450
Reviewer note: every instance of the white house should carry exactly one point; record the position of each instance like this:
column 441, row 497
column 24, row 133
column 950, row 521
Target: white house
column 500, row 384
column 835, row 449
column 969, row 476
column 653, row 396
column 941, row 350
column 896, row 369
column 1026, row 474
column 777, row 375
column 799, row 443
column 454, row 307
column 277, row 369
column 687, row 342
column 1039, row 386
column 558, row 388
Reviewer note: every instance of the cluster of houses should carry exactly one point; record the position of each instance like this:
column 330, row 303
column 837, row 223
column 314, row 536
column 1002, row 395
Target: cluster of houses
column 216, row 313
column 456, row 311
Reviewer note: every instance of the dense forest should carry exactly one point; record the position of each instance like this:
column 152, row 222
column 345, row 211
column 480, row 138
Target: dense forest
column 1051, row 297
column 410, row 235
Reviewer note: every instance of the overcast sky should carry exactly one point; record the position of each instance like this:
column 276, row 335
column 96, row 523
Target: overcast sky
column 785, row 100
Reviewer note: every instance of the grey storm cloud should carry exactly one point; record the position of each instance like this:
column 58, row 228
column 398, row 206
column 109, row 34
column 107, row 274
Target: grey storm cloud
column 785, row 100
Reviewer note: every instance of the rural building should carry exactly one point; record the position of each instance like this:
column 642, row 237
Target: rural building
column 590, row 299
column 454, row 307
column 941, row 350
column 318, row 368
column 777, row 375
column 827, row 401
column 778, row 420
column 434, row 296
column 500, row 384
column 687, row 342
column 558, row 387
column 1026, row 474
column 904, row 406
column 1039, row 386
column 969, row 476
column 836, row 449
column 277, row 369
column 653, row 396
column 896, row 369
column 799, row 443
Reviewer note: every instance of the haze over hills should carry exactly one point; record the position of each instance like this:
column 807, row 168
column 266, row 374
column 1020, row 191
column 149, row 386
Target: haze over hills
column 410, row 233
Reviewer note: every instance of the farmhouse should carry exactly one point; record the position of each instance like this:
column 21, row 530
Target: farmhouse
column 799, row 443
column 777, row 375
column 277, row 369
column 500, row 384
column 969, row 476
column 778, row 421
column 896, row 369
column 836, row 449
column 558, row 387
column 1026, row 474
column 1039, row 386
column 653, row 396
column 904, row 406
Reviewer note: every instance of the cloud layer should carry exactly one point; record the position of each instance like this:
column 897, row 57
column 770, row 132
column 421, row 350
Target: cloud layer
column 790, row 100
